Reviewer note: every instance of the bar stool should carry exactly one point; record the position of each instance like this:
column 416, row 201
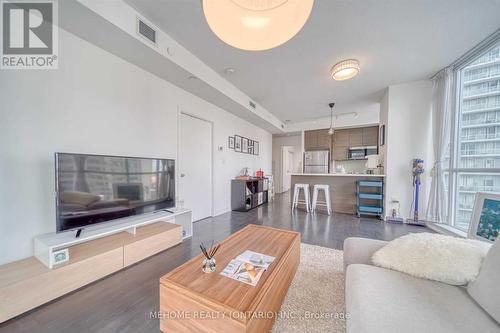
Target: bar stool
column 307, row 196
column 327, row 204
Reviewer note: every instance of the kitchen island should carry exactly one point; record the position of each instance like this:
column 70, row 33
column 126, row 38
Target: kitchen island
column 342, row 187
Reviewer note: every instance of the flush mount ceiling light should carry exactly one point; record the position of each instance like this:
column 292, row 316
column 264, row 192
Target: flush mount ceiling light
column 345, row 70
column 256, row 25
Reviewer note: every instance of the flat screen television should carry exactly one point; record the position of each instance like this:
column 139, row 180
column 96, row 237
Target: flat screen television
column 94, row 189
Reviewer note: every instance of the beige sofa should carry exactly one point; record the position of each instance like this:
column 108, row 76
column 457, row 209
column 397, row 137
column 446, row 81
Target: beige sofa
column 386, row 301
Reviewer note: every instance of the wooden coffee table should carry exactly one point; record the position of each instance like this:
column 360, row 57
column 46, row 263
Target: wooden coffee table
column 193, row 301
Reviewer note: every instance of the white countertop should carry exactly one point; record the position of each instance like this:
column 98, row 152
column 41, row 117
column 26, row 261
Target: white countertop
column 336, row 175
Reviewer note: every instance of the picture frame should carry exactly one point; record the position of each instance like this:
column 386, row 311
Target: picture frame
column 244, row 145
column 256, row 148
column 485, row 224
column 381, row 135
column 230, row 142
column 237, row 143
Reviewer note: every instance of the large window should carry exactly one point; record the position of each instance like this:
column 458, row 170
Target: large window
column 474, row 164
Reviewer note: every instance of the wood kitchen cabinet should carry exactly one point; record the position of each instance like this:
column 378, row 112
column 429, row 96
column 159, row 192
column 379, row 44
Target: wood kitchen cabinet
column 310, row 140
column 341, row 138
column 340, row 153
column 355, row 137
column 317, row 139
column 324, row 139
column 370, row 136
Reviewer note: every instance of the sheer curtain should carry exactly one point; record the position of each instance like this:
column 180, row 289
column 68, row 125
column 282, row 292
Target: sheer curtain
column 442, row 107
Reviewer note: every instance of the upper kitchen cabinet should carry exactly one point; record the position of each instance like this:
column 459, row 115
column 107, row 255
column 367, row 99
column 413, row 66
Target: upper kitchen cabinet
column 310, row 140
column 324, row 139
column 355, row 137
column 341, row 138
column 370, row 136
column 317, row 140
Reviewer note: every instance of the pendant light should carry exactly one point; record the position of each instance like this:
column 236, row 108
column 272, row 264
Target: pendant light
column 256, row 25
column 330, row 131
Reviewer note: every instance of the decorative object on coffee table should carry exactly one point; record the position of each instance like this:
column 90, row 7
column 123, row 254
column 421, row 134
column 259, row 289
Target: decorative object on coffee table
column 209, row 260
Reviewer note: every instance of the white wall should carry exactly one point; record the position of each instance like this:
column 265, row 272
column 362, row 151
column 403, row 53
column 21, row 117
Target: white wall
column 95, row 103
column 406, row 111
column 294, row 141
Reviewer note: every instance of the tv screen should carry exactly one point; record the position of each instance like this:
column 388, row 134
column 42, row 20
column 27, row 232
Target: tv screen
column 94, row 188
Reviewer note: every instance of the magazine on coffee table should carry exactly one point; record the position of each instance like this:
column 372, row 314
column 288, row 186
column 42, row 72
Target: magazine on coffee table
column 248, row 267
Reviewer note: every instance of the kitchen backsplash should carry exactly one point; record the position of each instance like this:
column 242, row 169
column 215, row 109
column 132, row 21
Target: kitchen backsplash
column 352, row 166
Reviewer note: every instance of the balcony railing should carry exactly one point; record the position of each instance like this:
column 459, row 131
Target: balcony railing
column 491, row 74
column 474, row 92
column 494, row 151
column 481, row 107
column 482, row 136
column 479, row 188
column 480, row 121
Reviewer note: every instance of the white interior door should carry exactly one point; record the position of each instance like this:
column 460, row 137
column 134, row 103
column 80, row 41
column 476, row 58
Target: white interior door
column 287, row 167
column 195, row 165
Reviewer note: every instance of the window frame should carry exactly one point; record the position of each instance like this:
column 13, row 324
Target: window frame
column 453, row 168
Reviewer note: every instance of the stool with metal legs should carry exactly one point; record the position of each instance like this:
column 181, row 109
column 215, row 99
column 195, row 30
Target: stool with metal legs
column 307, row 196
column 326, row 203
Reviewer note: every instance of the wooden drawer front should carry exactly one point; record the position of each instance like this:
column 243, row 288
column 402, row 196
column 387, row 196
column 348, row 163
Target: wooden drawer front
column 273, row 298
column 149, row 246
column 30, row 293
column 201, row 316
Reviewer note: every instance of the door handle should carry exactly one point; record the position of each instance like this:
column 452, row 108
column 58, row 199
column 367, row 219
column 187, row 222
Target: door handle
column 182, row 175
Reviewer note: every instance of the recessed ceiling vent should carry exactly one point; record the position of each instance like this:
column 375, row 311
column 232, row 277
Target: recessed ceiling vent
column 252, row 105
column 146, row 31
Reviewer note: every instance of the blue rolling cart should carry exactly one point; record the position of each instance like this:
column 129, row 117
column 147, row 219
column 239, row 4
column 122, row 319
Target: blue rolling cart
column 370, row 197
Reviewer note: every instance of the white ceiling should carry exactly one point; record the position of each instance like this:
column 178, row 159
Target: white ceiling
column 396, row 41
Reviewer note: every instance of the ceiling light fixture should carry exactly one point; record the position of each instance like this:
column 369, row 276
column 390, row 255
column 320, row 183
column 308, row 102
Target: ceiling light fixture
column 330, row 131
column 256, row 25
column 345, row 70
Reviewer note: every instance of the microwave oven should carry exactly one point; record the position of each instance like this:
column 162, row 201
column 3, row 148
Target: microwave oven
column 360, row 153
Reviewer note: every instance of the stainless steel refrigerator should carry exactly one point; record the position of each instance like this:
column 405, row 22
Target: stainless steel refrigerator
column 317, row 161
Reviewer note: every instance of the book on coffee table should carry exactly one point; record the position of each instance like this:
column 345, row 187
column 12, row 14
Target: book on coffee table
column 248, row 267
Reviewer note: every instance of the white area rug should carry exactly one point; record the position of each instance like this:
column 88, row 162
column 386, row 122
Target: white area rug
column 315, row 301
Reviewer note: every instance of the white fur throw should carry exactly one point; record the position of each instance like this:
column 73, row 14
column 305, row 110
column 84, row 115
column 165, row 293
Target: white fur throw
column 436, row 257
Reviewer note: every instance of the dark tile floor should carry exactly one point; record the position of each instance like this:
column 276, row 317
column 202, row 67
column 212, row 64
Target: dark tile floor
column 123, row 301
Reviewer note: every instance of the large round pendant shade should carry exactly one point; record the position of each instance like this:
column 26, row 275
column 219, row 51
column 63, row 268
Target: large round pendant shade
column 256, row 25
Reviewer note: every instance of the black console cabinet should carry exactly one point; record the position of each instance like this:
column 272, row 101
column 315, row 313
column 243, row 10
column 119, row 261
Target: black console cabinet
column 248, row 194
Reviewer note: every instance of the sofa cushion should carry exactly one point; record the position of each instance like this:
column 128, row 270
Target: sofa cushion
column 437, row 257
column 382, row 300
column 360, row 250
column 486, row 288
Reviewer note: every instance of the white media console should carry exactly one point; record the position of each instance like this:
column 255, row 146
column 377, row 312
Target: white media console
column 45, row 245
